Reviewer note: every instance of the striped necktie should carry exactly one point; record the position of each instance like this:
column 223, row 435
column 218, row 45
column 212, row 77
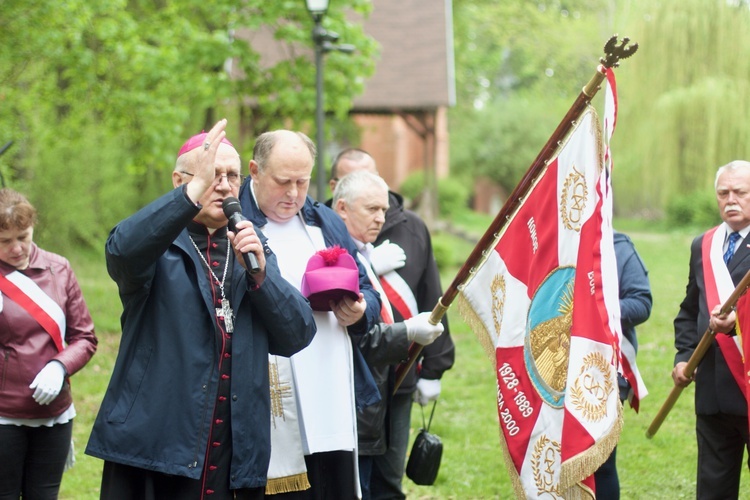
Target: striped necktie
column 733, row 238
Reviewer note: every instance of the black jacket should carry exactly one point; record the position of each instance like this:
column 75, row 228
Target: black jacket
column 383, row 346
column 334, row 233
column 405, row 228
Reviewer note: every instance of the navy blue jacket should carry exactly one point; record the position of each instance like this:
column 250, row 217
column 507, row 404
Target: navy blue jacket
column 334, row 233
column 635, row 294
column 156, row 413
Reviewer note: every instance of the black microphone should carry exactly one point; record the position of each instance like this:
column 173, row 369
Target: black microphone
column 233, row 212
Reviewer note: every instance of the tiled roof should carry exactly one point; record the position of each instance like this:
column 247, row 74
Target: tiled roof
column 415, row 69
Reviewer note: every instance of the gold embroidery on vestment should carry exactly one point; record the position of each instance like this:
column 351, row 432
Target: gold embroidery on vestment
column 279, row 391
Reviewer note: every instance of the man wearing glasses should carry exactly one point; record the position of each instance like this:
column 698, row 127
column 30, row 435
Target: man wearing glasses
column 186, row 414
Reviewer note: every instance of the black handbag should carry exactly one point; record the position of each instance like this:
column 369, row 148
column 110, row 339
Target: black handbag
column 424, row 459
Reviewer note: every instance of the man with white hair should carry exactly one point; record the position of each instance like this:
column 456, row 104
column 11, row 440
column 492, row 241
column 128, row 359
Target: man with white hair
column 719, row 259
column 361, row 200
column 403, row 259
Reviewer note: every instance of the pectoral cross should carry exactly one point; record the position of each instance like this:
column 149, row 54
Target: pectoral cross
column 225, row 312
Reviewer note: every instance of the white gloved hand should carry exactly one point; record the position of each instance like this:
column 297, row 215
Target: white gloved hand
column 48, row 382
column 386, row 257
column 427, row 390
column 420, row 330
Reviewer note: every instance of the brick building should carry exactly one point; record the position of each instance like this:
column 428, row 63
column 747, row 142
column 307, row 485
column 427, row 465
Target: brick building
column 402, row 113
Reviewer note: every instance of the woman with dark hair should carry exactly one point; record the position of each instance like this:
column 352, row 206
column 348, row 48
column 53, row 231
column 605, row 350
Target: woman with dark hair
column 46, row 335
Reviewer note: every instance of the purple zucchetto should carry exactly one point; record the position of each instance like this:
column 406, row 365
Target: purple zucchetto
column 196, row 141
column 330, row 275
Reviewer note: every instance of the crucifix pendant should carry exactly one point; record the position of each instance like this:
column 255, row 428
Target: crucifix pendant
column 225, row 312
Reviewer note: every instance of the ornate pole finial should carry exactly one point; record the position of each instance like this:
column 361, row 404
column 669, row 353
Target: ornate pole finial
column 614, row 52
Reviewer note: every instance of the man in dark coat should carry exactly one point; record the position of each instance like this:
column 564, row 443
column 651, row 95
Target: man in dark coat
column 361, row 200
column 328, row 380
column 719, row 259
column 403, row 258
column 186, row 414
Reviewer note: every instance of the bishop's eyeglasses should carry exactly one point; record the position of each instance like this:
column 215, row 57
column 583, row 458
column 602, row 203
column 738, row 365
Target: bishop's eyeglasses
column 232, row 178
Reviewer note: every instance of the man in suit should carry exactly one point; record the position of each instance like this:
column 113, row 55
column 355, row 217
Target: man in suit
column 719, row 259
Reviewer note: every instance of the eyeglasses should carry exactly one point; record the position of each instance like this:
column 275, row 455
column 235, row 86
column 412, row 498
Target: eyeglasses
column 232, row 178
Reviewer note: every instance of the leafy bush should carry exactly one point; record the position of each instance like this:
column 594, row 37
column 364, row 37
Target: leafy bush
column 693, row 209
column 442, row 249
column 501, row 140
column 453, row 193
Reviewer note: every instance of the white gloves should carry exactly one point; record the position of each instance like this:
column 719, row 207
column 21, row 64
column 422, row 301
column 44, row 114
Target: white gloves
column 427, row 390
column 386, row 257
column 48, row 382
column 420, row 330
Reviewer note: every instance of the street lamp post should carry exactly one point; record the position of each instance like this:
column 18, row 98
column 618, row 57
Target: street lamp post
column 324, row 41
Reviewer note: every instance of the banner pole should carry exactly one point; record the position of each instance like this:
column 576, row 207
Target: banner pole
column 697, row 356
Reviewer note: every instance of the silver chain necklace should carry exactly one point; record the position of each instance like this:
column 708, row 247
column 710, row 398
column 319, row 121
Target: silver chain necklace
column 225, row 311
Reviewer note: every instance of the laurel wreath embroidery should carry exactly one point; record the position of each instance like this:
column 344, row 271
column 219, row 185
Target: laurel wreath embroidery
column 593, row 412
column 542, row 486
column 574, row 191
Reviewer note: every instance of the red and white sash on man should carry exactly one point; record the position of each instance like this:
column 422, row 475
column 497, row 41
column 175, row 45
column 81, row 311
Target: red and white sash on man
column 399, row 294
column 23, row 291
column 386, row 313
column 719, row 286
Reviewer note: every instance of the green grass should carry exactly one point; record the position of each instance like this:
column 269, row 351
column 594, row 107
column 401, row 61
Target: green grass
column 466, row 416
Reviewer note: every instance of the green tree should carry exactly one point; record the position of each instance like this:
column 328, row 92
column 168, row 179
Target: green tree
column 684, row 100
column 98, row 96
column 520, row 65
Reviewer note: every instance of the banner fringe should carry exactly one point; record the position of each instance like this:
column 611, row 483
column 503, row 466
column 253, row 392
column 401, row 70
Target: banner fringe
column 579, row 468
column 477, row 326
column 287, row 484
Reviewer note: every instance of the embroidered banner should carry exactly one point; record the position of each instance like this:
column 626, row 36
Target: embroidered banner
column 627, row 367
column 538, row 304
column 743, row 330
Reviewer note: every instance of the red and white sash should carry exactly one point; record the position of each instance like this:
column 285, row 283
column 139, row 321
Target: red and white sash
column 23, row 291
column 719, row 286
column 386, row 313
column 399, row 294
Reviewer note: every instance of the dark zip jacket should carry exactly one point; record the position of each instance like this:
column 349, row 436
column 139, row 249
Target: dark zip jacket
column 156, row 413
column 334, row 233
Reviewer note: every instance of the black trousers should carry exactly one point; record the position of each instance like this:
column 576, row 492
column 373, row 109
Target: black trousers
column 606, row 479
column 32, row 460
column 722, row 440
column 123, row 482
column 331, row 476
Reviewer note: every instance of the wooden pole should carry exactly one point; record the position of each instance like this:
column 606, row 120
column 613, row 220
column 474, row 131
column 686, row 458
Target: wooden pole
column 697, row 356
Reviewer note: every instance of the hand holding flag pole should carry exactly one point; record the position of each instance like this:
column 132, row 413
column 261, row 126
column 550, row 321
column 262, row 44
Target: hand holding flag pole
column 613, row 53
column 697, row 356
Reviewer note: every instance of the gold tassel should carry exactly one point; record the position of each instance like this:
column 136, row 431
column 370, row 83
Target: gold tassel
column 287, row 484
